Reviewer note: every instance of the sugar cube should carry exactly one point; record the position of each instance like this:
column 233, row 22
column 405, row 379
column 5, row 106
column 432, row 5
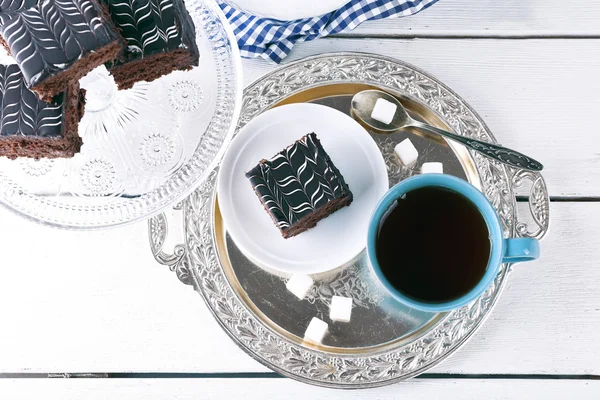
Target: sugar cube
column 316, row 330
column 299, row 285
column 406, row 151
column 384, row 111
column 340, row 309
column 432, row 168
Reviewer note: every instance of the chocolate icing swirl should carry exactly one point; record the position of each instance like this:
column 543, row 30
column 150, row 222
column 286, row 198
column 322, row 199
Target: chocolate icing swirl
column 10, row 7
column 23, row 113
column 297, row 181
column 152, row 27
column 51, row 36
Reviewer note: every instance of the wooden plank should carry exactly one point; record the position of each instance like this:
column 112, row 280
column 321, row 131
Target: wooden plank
column 537, row 96
column 548, row 306
column 98, row 302
column 285, row 389
column 485, row 18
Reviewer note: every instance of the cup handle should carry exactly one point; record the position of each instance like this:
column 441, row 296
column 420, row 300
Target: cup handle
column 521, row 250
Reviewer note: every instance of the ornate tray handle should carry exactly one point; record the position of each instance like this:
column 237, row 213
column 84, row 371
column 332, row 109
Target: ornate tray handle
column 539, row 204
column 178, row 261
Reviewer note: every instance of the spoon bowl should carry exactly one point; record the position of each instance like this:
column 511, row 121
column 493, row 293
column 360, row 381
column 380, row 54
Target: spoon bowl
column 363, row 103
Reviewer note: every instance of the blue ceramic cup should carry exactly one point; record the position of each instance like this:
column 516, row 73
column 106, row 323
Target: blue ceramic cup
column 502, row 250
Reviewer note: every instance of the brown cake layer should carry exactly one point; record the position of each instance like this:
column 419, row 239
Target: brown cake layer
column 160, row 42
column 65, row 145
column 152, row 67
column 55, row 84
column 311, row 220
column 57, row 42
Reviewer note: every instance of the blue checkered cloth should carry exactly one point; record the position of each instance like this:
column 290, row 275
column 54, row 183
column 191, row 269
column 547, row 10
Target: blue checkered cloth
column 273, row 39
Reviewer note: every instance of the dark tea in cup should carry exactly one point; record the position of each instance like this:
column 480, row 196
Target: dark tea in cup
column 433, row 245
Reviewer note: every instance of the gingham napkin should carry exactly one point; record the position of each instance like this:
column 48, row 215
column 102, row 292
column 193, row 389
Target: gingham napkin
column 273, row 39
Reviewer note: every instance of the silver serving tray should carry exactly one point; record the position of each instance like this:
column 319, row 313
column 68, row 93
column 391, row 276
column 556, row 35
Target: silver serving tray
column 384, row 342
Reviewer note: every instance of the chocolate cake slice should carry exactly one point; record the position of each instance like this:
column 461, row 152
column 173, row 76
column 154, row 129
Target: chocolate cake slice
column 30, row 127
column 56, row 42
column 299, row 186
column 160, row 37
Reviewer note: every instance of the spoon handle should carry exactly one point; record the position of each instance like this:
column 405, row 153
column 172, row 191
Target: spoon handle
column 502, row 154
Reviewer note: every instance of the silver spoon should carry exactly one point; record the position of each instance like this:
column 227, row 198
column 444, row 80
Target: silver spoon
column 363, row 103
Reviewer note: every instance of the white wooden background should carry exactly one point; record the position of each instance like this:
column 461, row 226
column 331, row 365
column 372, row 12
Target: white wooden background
column 98, row 302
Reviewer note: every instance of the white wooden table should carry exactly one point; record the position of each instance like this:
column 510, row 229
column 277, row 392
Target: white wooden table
column 99, row 303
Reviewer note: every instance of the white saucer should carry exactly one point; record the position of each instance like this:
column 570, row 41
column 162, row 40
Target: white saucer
column 287, row 10
column 336, row 239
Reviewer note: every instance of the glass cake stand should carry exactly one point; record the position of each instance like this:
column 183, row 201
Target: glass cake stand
column 144, row 148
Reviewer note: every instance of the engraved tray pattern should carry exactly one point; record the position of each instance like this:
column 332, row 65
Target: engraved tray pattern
column 197, row 262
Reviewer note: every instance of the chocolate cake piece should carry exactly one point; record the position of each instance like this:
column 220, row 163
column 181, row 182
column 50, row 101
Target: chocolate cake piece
column 160, row 37
column 299, row 186
column 30, row 127
column 59, row 41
